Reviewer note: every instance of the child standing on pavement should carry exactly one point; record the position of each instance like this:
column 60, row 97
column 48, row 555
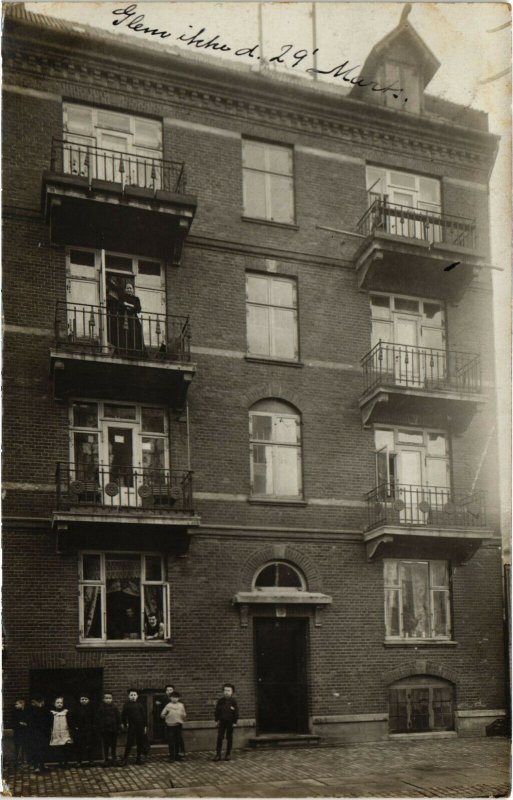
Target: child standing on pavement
column 39, row 733
column 174, row 716
column 133, row 718
column 60, row 738
column 20, row 731
column 226, row 716
column 108, row 720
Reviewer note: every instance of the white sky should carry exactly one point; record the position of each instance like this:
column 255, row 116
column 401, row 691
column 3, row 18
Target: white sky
column 460, row 35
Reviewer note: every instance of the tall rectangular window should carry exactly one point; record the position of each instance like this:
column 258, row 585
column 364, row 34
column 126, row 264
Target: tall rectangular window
column 275, row 447
column 417, row 599
column 271, row 316
column 123, row 597
column 268, row 185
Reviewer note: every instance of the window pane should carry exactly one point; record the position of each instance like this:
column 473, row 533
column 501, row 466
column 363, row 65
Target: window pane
column 117, row 122
column 113, row 411
column 287, row 477
column 439, row 573
column 283, row 293
column 258, row 331
column 81, row 257
column 384, row 438
column 436, row 444
column 402, row 304
column 392, row 612
column 262, row 427
column 152, row 419
column 267, row 576
column 441, row 613
column 154, row 612
column 411, row 437
column 283, row 333
column 91, row 567
column 86, row 458
column 79, row 120
column 258, row 288
column 153, row 458
column 288, row 577
column 253, row 154
column 280, row 160
column 433, row 312
column 429, row 190
column 375, row 180
column 282, row 199
column 442, row 708
column 402, row 178
column 254, row 194
column 123, row 575
column 286, row 430
column 149, row 267
column 92, row 612
column 391, row 573
column 147, row 134
column 262, row 469
column 380, row 306
column 118, row 262
column 153, row 568
column 415, row 599
column 85, row 415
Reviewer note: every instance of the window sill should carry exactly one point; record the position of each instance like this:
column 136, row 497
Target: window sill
column 124, row 645
column 283, row 362
column 291, row 226
column 276, row 501
column 420, row 643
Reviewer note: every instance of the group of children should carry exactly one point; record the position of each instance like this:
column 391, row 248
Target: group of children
column 42, row 735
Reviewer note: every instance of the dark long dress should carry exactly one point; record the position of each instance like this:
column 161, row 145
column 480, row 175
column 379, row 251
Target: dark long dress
column 130, row 328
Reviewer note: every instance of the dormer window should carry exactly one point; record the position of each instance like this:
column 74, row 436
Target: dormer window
column 405, row 77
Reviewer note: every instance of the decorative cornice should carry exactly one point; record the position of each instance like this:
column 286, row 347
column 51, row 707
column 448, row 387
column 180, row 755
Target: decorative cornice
column 219, row 91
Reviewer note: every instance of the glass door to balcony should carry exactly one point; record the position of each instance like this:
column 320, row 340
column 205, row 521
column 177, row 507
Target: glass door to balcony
column 413, row 473
column 121, row 461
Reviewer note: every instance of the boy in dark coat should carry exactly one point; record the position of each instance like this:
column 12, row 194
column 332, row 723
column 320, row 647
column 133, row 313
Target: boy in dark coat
column 40, row 726
column 226, row 716
column 83, row 720
column 19, row 722
column 133, row 718
column 108, row 720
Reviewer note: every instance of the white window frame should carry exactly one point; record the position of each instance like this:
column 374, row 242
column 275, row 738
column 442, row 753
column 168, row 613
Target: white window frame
column 279, row 589
column 268, row 174
column 130, row 134
column 102, row 584
column 297, row 446
column 432, row 588
column 387, row 185
column 272, row 350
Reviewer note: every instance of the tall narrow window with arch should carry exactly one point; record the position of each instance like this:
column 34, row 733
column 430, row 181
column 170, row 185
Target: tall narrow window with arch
column 275, row 450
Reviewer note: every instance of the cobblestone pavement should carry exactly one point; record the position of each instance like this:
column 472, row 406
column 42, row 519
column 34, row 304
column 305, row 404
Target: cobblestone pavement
column 429, row 768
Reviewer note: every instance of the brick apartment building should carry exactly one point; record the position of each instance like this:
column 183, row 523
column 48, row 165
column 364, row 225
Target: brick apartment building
column 287, row 454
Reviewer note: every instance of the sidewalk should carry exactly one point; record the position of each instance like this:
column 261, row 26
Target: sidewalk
column 426, row 768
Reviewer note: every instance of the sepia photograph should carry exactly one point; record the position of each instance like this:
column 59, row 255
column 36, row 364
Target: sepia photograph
column 256, row 399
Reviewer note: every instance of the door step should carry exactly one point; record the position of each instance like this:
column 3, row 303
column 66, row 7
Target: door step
column 284, row 740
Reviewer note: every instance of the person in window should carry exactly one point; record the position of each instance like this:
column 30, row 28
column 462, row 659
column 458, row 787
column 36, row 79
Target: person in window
column 130, row 328
column 131, row 624
column 153, row 629
column 114, row 310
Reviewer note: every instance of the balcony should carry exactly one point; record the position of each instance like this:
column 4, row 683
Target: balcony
column 407, row 249
column 97, row 353
column 403, row 379
column 424, row 521
column 93, row 501
column 93, row 196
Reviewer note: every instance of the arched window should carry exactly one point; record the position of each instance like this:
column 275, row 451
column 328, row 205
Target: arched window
column 279, row 575
column 275, row 450
column 421, row 703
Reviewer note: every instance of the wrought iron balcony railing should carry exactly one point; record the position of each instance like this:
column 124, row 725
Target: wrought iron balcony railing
column 122, row 487
column 416, row 223
column 159, row 337
column 129, row 169
column 421, row 368
column 435, row 506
